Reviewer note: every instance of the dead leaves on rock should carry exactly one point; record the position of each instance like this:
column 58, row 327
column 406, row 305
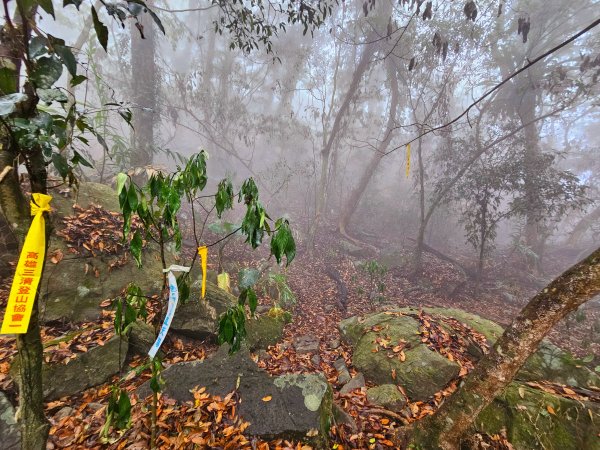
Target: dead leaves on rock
column 94, row 231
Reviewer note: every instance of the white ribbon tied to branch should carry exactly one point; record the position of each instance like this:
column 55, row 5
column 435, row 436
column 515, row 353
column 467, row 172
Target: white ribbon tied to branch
column 173, row 299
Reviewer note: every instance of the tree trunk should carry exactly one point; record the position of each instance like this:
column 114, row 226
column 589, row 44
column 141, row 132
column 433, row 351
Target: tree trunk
column 144, row 80
column 14, row 38
column 533, row 223
column 496, row 370
column 356, row 195
column 361, row 68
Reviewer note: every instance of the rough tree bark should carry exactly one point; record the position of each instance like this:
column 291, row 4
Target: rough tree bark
column 444, row 430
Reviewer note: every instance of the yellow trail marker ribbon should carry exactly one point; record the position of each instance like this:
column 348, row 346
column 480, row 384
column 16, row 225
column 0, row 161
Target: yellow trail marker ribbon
column 407, row 160
column 203, row 252
column 29, row 270
column 223, row 281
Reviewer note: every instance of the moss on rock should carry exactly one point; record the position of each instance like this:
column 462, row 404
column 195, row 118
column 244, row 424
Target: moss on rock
column 538, row 420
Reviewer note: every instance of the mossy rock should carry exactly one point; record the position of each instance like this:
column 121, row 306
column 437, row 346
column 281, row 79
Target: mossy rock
column 386, row 395
column 534, row 419
column 71, row 294
column 264, row 331
column 422, row 373
column 549, row 362
column 88, row 194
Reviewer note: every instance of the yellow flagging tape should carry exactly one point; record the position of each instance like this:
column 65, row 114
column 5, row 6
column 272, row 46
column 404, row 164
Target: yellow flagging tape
column 29, row 270
column 224, row 282
column 407, row 159
column 203, row 252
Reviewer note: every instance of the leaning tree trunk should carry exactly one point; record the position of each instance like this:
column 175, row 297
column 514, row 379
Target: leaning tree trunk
column 496, row 370
column 144, row 90
column 357, row 193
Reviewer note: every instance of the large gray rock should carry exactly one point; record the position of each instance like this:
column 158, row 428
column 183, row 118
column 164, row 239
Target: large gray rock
column 141, row 338
column 300, row 405
column 10, row 439
column 86, row 370
column 74, row 295
column 199, row 318
column 264, row 331
column 422, row 373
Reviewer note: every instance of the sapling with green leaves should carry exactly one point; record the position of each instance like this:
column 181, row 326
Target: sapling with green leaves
column 157, row 204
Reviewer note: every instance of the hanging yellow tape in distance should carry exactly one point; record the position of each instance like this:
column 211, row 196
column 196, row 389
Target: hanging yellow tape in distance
column 29, row 270
column 407, row 159
column 203, row 252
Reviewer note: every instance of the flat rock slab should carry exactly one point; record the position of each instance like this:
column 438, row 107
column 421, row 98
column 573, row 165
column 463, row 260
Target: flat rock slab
column 87, row 370
column 10, row 439
column 299, row 408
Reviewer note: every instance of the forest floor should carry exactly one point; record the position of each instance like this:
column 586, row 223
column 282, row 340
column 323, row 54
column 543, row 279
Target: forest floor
column 77, row 421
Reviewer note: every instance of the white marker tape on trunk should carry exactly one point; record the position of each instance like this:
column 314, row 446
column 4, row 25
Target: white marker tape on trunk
column 173, row 299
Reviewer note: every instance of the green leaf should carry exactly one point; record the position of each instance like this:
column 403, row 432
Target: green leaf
column 121, row 179
column 132, row 197
column 47, row 6
column 247, row 278
column 68, row 59
column 38, row 45
column 224, row 197
column 252, row 300
column 76, row 3
column 77, row 80
column 155, row 384
column 101, row 30
column 183, row 287
column 588, row 358
column 282, row 243
column 597, row 369
column 136, row 248
column 8, row 81
column 46, row 72
column 8, row 103
column 78, row 159
column 51, row 95
column 61, row 165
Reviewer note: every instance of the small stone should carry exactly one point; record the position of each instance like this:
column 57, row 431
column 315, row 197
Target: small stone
column 316, row 360
column 340, row 365
column 334, row 343
column 306, row 344
column 355, row 383
column 63, row 412
column 344, row 377
column 95, row 406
